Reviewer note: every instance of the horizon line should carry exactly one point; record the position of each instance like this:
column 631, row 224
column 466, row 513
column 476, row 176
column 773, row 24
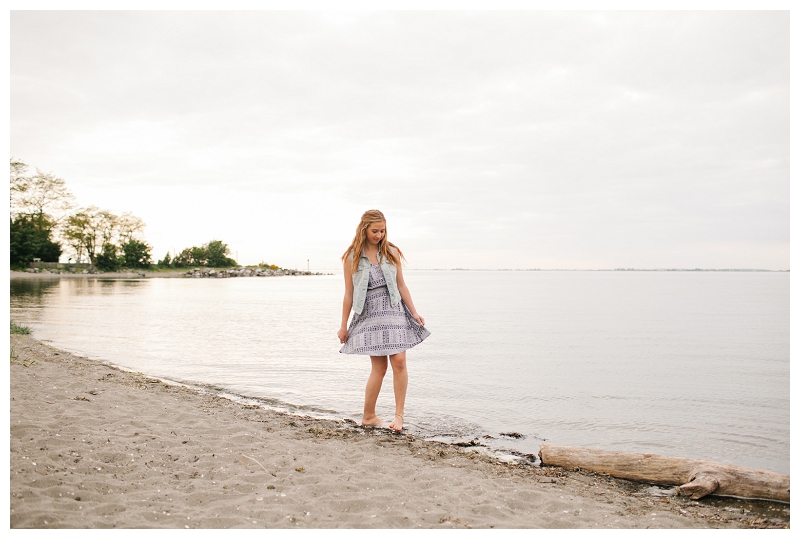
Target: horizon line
column 587, row 269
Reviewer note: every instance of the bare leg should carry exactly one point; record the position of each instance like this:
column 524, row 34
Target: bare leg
column 400, row 381
column 379, row 365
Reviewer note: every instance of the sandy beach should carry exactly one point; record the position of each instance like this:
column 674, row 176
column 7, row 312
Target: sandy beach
column 93, row 446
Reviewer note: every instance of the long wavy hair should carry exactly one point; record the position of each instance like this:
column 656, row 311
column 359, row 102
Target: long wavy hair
column 386, row 249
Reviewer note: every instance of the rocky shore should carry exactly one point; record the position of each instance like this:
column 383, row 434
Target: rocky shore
column 36, row 273
column 243, row 272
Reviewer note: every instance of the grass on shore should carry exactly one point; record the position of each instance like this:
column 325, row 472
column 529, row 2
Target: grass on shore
column 16, row 359
column 17, row 329
column 24, row 362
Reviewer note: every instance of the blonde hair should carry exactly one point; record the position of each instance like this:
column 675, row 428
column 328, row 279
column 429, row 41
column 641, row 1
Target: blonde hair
column 386, row 249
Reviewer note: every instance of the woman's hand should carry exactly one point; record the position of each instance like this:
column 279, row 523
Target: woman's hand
column 419, row 319
column 342, row 333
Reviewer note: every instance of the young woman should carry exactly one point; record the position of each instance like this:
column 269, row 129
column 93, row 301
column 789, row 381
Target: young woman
column 385, row 323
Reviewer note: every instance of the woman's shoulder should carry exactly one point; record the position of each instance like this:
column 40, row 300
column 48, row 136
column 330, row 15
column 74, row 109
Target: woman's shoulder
column 347, row 261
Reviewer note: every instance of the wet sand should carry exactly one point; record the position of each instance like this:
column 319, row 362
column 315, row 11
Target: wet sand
column 93, row 446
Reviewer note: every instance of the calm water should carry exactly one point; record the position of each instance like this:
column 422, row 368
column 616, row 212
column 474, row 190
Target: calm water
column 678, row 363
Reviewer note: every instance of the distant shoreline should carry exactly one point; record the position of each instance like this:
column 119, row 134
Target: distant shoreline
column 182, row 273
column 110, row 275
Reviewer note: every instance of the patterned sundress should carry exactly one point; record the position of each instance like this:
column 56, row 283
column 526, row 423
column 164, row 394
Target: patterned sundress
column 380, row 329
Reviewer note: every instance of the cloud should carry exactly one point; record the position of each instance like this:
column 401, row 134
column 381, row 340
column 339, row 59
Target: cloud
column 506, row 139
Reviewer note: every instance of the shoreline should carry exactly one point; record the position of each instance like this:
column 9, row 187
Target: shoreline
column 110, row 275
column 114, row 448
column 182, row 273
column 142, row 275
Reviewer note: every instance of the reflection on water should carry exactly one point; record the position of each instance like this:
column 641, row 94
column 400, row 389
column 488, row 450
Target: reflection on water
column 685, row 364
column 32, row 289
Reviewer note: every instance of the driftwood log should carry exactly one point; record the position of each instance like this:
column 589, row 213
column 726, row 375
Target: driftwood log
column 695, row 478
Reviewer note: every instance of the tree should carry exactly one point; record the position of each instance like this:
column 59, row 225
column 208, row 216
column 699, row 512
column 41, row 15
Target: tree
column 212, row 254
column 34, row 199
column 128, row 226
column 27, row 242
column 166, row 261
column 81, row 232
column 42, row 201
column 42, row 196
column 75, row 232
column 137, row 254
column 18, row 171
column 107, row 225
column 108, row 260
column 218, row 254
column 199, row 256
column 183, row 259
column 89, row 231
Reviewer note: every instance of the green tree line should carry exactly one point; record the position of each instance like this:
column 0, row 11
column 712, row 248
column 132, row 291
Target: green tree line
column 213, row 254
column 45, row 219
column 34, row 199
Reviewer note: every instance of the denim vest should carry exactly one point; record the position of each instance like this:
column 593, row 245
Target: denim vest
column 361, row 280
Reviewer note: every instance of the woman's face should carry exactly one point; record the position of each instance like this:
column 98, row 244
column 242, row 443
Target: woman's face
column 375, row 232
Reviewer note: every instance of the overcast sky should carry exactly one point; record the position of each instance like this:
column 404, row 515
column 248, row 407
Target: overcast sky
column 489, row 139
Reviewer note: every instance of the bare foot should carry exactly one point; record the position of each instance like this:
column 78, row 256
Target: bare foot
column 397, row 425
column 373, row 421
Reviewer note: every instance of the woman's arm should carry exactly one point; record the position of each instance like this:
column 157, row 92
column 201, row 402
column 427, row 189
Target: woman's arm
column 406, row 295
column 347, row 304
